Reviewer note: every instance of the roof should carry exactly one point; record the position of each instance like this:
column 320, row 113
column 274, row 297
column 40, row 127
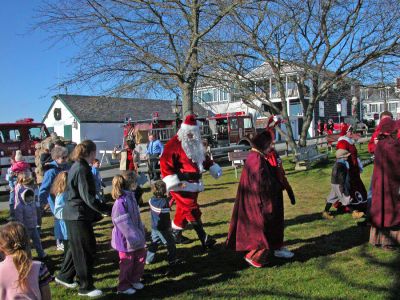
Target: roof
column 102, row 109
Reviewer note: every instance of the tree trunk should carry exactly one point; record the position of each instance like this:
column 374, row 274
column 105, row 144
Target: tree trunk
column 289, row 130
column 187, row 99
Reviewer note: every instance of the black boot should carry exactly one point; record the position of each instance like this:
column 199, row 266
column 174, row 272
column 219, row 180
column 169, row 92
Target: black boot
column 179, row 238
column 206, row 240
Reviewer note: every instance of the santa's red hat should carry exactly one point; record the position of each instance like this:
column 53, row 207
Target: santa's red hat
column 190, row 123
column 345, row 128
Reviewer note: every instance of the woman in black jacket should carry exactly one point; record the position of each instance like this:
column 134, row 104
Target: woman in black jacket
column 80, row 211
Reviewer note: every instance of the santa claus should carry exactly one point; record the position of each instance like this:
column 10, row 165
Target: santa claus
column 182, row 163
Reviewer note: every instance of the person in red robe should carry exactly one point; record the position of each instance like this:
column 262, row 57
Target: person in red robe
column 256, row 225
column 385, row 206
column 182, row 163
column 358, row 192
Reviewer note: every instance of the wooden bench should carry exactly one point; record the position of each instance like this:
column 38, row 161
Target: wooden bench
column 237, row 158
column 306, row 155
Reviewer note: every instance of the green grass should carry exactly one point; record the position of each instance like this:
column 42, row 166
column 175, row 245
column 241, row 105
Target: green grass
column 333, row 259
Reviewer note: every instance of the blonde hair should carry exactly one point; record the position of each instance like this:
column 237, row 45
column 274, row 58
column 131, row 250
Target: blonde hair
column 83, row 150
column 14, row 241
column 118, row 186
column 60, row 183
column 25, row 178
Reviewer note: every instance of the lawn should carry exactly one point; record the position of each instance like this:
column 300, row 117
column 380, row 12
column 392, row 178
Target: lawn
column 333, row 259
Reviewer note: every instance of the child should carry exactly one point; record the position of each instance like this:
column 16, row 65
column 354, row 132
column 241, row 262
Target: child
column 25, row 210
column 98, row 180
column 161, row 231
column 19, row 165
column 11, row 178
column 339, row 195
column 58, row 189
column 26, row 279
column 128, row 237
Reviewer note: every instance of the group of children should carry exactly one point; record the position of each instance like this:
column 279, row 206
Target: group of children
column 128, row 235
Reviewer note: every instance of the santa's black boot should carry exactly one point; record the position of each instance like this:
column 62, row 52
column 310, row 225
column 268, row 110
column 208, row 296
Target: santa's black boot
column 206, row 241
column 179, row 238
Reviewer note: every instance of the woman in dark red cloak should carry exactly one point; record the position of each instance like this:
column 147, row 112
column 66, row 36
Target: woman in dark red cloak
column 257, row 219
column 385, row 207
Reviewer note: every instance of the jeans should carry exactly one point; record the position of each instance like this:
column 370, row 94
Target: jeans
column 11, row 202
column 164, row 237
column 34, row 235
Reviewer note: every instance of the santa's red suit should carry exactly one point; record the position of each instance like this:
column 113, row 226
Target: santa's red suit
column 182, row 176
column 358, row 192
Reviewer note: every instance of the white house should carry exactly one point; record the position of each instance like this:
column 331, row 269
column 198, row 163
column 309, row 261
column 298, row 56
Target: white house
column 99, row 118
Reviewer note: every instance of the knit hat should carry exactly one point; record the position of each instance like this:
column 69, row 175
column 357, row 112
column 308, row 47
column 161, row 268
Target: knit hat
column 190, row 123
column 342, row 153
column 18, row 156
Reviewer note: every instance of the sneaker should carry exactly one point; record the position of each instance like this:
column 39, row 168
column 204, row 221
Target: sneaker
column 253, row 263
column 327, row 215
column 93, row 293
column 357, row 214
column 60, row 247
column 66, row 284
column 138, row 285
column 127, row 292
column 283, row 253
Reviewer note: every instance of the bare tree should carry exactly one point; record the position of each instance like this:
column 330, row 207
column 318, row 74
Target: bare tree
column 127, row 45
column 325, row 41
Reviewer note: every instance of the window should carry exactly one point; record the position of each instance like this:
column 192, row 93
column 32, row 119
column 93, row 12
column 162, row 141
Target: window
column 364, row 93
column 393, row 107
column 11, row 135
column 373, row 108
column 381, row 107
column 234, row 123
column 247, row 123
column 206, row 96
column 35, row 133
column 2, row 139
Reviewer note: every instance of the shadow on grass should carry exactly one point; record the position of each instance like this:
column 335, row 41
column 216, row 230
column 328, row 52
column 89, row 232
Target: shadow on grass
column 326, row 244
column 215, row 203
column 303, row 219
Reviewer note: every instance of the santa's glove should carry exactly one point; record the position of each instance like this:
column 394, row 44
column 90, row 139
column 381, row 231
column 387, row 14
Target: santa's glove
column 291, row 196
column 216, row 171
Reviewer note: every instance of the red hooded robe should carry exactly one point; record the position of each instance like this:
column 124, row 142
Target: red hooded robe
column 257, row 218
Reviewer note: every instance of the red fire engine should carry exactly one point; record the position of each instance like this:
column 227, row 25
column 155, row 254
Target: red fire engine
column 21, row 135
column 231, row 129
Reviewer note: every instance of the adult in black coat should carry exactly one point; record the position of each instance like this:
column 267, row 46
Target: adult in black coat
column 81, row 210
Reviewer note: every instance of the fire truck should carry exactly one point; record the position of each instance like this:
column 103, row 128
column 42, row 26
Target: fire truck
column 21, row 135
column 230, row 129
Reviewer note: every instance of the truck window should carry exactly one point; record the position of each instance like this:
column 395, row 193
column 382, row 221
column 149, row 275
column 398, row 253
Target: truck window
column 247, row 123
column 234, row 123
column 36, row 134
column 12, row 135
column 2, row 139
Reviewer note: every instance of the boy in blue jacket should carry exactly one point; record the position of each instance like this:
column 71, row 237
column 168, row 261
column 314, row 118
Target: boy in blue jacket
column 161, row 231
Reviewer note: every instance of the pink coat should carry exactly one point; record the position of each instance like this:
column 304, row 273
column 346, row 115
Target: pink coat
column 20, row 166
column 8, row 283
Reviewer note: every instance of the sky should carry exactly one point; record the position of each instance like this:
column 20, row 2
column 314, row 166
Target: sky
column 29, row 66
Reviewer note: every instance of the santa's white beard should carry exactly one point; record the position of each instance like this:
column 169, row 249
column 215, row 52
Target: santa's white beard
column 193, row 147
